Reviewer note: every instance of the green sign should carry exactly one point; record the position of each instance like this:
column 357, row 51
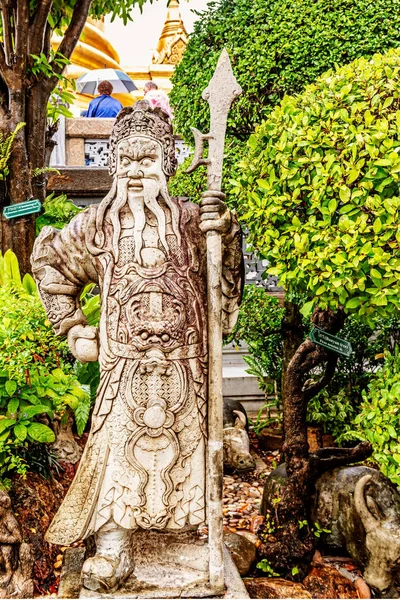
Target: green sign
column 331, row 342
column 23, row 208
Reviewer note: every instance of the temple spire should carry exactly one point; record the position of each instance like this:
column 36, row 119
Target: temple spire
column 173, row 39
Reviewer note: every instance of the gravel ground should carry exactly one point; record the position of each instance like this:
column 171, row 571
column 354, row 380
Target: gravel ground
column 242, row 501
column 243, row 494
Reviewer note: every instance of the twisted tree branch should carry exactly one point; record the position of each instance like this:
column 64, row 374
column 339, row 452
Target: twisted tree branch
column 71, row 37
column 21, row 37
column 326, row 459
column 319, row 385
column 37, row 30
column 7, row 49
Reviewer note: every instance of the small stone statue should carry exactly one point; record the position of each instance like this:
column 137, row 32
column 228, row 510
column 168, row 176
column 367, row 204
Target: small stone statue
column 144, row 466
column 15, row 557
column 358, row 509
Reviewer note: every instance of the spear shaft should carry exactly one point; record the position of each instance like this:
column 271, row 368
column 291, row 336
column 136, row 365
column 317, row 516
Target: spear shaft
column 220, row 93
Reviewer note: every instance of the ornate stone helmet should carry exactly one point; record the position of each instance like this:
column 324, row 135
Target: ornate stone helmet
column 142, row 119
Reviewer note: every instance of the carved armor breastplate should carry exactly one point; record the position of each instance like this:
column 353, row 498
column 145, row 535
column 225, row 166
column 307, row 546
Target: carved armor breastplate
column 158, row 306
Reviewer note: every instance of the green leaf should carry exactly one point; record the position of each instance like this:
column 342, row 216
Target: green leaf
column 307, row 308
column 6, row 423
column 29, row 284
column 37, row 409
column 377, row 226
column 376, row 274
column 41, row 433
column 353, row 303
column 263, row 184
column 11, row 268
column 344, row 194
column 332, row 206
column 20, row 431
column 354, row 173
column 12, row 406
column 11, row 387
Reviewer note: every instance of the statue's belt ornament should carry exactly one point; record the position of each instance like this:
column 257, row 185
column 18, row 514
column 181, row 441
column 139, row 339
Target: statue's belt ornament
column 183, row 352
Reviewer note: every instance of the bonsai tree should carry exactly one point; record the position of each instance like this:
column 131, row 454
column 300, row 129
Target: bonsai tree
column 319, row 191
column 29, row 72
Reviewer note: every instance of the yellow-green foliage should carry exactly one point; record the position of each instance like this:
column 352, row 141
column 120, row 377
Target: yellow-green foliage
column 6, row 142
column 320, row 189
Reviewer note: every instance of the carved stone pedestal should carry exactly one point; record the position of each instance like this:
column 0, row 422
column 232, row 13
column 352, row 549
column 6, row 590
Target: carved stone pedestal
column 167, row 566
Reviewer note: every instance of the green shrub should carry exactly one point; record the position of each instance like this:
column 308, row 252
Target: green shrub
column 191, row 186
column 334, row 413
column 378, row 420
column 276, row 48
column 38, row 379
column 259, row 326
column 36, row 375
column 58, row 212
column 320, row 190
column 354, row 373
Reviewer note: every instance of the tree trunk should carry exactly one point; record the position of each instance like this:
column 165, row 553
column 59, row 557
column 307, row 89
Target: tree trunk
column 292, row 542
column 36, row 126
column 18, row 234
column 28, row 153
column 292, row 333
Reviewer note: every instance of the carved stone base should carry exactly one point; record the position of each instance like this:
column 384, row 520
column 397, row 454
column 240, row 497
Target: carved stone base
column 168, row 565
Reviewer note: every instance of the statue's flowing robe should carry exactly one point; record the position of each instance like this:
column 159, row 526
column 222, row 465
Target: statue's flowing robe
column 144, row 463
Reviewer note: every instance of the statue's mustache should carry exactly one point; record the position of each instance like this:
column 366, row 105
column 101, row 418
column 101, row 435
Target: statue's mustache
column 148, row 197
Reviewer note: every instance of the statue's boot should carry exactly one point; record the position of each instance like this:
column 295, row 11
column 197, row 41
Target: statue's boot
column 112, row 563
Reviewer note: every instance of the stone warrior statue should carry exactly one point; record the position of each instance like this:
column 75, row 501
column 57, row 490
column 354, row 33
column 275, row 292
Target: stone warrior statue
column 144, row 465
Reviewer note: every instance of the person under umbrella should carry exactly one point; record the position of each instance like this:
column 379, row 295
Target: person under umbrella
column 104, row 106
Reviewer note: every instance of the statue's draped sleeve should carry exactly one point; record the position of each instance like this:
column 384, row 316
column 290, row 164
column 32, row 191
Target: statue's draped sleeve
column 62, row 266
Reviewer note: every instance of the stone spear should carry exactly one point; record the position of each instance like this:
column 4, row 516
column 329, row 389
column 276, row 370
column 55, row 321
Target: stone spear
column 220, row 93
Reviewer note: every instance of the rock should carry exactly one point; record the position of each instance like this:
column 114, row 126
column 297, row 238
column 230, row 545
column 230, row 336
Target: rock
column 314, row 438
column 270, row 439
column 275, row 587
column 326, row 582
column 256, row 522
column 250, row 536
column 242, row 550
column 65, row 446
column 362, row 588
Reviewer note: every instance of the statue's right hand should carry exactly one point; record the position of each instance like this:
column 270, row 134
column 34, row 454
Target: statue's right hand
column 83, row 343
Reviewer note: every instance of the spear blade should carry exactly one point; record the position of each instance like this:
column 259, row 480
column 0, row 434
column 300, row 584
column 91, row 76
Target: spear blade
column 221, row 91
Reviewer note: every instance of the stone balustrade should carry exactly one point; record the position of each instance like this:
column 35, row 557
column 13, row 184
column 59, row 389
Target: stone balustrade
column 86, row 143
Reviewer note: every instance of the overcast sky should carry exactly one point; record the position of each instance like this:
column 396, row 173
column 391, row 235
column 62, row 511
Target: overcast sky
column 135, row 42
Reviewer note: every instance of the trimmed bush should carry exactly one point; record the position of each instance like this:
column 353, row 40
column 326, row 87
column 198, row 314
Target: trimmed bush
column 320, row 189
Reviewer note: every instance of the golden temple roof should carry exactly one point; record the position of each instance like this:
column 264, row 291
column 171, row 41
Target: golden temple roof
column 95, row 51
column 173, row 39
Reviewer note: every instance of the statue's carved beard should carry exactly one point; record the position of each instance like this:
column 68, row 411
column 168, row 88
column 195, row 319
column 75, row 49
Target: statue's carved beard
column 120, row 195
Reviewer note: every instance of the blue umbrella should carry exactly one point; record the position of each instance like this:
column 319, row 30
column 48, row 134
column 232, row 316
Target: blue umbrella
column 121, row 82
